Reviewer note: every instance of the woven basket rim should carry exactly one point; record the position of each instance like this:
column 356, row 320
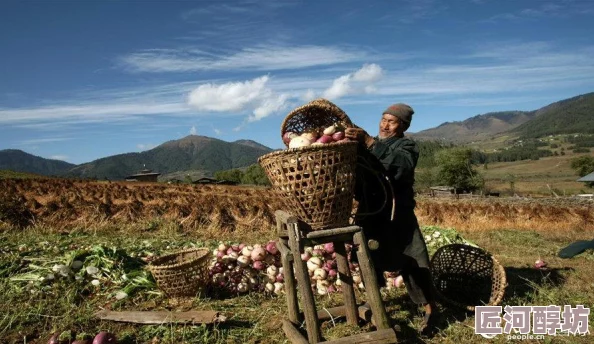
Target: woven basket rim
column 496, row 265
column 205, row 252
column 304, row 149
column 316, row 103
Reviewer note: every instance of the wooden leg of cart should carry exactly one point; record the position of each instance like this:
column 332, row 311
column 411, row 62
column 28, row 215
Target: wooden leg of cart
column 293, row 237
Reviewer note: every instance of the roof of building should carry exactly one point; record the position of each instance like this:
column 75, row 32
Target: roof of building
column 144, row 174
column 587, row 178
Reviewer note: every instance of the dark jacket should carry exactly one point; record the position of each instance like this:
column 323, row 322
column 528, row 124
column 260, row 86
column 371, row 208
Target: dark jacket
column 385, row 177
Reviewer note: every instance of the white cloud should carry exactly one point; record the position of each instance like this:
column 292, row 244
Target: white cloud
column 43, row 140
column 97, row 112
column 248, row 96
column 232, row 96
column 262, row 57
column 269, row 105
column 368, row 73
column 145, row 146
column 359, row 82
column 59, row 157
column 217, row 131
column 309, row 95
column 193, row 130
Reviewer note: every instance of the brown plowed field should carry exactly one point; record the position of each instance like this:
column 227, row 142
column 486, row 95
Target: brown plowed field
column 69, row 204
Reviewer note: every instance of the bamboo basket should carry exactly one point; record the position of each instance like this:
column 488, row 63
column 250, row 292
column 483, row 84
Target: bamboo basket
column 467, row 276
column 182, row 273
column 315, row 182
column 319, row 113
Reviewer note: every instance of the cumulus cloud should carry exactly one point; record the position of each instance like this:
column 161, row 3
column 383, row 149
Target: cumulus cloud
column 193, row 130
column 249, row 96
column 359, row 82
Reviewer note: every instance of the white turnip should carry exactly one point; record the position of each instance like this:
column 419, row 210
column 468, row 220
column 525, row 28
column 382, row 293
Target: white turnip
column 299, row 142
column 258, row 254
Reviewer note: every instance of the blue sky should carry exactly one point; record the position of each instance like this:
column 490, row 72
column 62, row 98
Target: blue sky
column 81, row 80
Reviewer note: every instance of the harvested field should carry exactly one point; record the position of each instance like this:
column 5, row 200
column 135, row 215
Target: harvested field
column 71, row 204
column 44, row 222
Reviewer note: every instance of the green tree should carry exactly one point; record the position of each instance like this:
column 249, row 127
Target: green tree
column 583, row 165
column 455, row 169
column 233, row 175
column 424, row 178
column 255, row 175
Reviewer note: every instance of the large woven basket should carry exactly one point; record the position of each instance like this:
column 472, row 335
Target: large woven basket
column 315, row 182
column 319, row 113
column 467, row 276
column 182, row 273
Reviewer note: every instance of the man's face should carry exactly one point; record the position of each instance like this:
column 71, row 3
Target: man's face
column 389, row 126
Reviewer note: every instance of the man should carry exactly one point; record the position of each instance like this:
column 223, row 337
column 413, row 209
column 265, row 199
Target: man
column 385, row 177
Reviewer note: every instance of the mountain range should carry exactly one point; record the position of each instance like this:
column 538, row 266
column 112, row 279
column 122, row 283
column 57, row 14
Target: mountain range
column 573, row 115
column 201, row 155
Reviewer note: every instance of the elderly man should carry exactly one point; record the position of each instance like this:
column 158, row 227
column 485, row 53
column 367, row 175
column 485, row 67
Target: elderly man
column 385, row 177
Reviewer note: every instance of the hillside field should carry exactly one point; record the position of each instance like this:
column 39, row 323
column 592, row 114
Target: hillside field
column 531, row 177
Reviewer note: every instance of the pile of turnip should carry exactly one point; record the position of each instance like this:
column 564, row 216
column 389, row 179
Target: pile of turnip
column 241, row 268
column 69, row 337
column 95, row 269
column 333, row 133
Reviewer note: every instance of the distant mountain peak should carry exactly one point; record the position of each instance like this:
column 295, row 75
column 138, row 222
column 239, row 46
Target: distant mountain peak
column 253, row 144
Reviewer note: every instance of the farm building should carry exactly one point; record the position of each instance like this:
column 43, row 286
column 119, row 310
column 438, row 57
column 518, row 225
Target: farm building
column 587, row 178
column 143, row 176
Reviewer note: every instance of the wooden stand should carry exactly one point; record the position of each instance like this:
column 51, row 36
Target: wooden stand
column 293, row 237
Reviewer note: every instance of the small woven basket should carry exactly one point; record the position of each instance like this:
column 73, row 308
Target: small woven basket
column 319, row 113
column 182, row 273
column 315, row 182
column 467, row 276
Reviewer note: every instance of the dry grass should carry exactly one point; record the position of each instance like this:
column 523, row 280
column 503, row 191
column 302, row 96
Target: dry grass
column 95, row 206
column 477, row 214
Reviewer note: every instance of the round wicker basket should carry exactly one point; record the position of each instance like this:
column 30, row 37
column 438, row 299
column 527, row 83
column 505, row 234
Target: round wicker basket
column 182, row 273
column 315, row 182
column 319, row 113
column 467, row 276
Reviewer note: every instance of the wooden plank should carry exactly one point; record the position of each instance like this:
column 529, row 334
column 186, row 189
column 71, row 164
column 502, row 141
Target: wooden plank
column 348, row 237
column 281, row 244
column 285, row 217
column 290, row 287
column 384, row 336
column 347, row 283
column 334, row 231
column 307, row 297
column 293, row 333
column 374, row 298
column 325, row 314
column 162, row 317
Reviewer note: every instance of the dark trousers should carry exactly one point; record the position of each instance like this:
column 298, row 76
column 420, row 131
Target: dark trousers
column 402, row 249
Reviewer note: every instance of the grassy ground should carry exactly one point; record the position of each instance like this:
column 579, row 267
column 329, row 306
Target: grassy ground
column 31, row 316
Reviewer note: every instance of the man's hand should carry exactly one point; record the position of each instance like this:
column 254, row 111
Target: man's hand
column 360, row 135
